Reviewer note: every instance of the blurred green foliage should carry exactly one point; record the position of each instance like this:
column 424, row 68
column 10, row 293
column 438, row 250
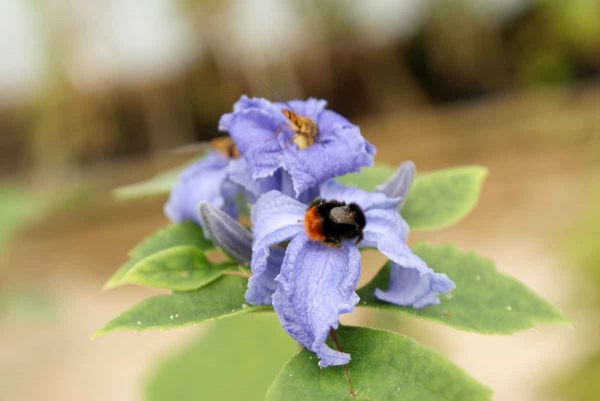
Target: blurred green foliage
column 20, row 207
column 234, row 359
column 27, row 302
column 582, row 383
column 17, row 208
column 454, row 53
column 583, row 243
column 557, row 41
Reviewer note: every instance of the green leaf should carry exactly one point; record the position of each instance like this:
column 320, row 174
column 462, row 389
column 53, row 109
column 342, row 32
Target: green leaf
column 180, row 234
column 384, row 366
column 236, row 359
column 484, row 300
column 436, row 199
column 368, row 178
column 223, row 298
column 181, row 268
column 157, row 185
column 442, row 198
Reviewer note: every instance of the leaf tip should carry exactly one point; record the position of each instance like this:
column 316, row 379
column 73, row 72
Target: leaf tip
column 98, row 333
column 111, row 283
column 560, row 319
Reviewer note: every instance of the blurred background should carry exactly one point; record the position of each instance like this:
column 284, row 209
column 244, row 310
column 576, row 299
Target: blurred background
column 94, row 94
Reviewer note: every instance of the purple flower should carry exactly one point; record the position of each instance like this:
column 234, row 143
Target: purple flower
column 239, row 173
column 316, row 283
column 226, row 232
column 236, row 241
column 399, row 183
column 204, row 180
column 265, row 139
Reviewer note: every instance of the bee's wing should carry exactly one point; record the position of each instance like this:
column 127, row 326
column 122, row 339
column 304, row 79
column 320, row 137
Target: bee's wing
column 195, row 147
column 342, row 215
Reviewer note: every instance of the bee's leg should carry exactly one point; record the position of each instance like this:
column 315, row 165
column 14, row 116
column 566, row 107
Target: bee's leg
column 360, row 238
column 333, row 242
column 290, row 140
column 319, row 141
column 277, row 132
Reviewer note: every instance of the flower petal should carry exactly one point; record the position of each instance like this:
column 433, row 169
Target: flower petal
column 328, row 119
column 226, row 232
column 310, row 107
column 412, row 287
column 316, row 285
column 275, row 218
column 205, row 180
column 342, row 150
column 412, row 282
column 399, row 184
column 253, row 126
column 287, row 188
column 261, row 287
column 387, row 231
column 333, row 190
column 240, row 173
column 244, row 103
column 371, row 149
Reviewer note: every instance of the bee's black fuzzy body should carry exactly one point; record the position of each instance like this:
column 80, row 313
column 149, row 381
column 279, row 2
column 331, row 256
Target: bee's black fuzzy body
column 332, row 221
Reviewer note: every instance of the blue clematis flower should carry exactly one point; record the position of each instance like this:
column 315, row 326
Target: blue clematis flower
column 239, row 173
column 316, row 283
column 225, row 232
column 204, row 180
column 266, row 140
column 399, row 183
column 235, row 240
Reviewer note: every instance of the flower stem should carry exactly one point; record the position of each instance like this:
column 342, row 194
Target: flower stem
column 333, row 335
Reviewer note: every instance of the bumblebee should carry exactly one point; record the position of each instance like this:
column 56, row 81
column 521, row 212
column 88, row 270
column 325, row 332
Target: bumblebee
column 332, row 221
